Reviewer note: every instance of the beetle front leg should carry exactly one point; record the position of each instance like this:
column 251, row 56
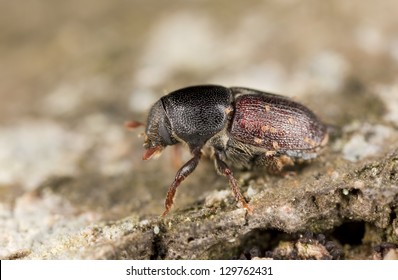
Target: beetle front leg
column 223, row 169
column 182, row 173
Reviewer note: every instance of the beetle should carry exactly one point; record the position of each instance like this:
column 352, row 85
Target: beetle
column 235, row 126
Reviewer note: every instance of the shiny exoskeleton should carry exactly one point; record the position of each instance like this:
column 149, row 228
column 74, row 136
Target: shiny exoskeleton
column 239, row 126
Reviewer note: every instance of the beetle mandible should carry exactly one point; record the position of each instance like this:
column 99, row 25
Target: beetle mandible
column 241, row 127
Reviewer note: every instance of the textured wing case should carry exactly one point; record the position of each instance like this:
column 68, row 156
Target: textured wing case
column 276, row 123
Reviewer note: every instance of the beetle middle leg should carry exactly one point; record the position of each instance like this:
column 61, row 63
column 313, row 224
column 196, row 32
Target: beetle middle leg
column 223, row 169
column 182, row 173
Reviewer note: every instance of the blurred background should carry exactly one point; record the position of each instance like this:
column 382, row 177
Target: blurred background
column 72, row 72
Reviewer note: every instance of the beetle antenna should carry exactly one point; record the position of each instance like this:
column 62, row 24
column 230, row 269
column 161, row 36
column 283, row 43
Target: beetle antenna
column 133, row 124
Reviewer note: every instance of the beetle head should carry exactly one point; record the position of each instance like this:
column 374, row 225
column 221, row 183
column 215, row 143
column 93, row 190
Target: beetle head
column 158, row 133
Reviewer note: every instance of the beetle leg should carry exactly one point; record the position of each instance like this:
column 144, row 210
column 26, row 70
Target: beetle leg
column 223, row 169
column 275, row 164
column 182, row 173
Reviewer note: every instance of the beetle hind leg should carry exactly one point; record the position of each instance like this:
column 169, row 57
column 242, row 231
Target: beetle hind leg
column 275, row 164
column 223, row 169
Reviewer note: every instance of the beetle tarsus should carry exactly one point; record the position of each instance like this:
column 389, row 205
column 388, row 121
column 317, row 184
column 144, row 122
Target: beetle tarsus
column 182, row 173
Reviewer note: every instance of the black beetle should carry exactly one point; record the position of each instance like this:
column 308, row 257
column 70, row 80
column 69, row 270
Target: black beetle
column 238, row 126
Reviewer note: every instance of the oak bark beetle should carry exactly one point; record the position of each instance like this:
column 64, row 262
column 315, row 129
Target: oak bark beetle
column 239, row 126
